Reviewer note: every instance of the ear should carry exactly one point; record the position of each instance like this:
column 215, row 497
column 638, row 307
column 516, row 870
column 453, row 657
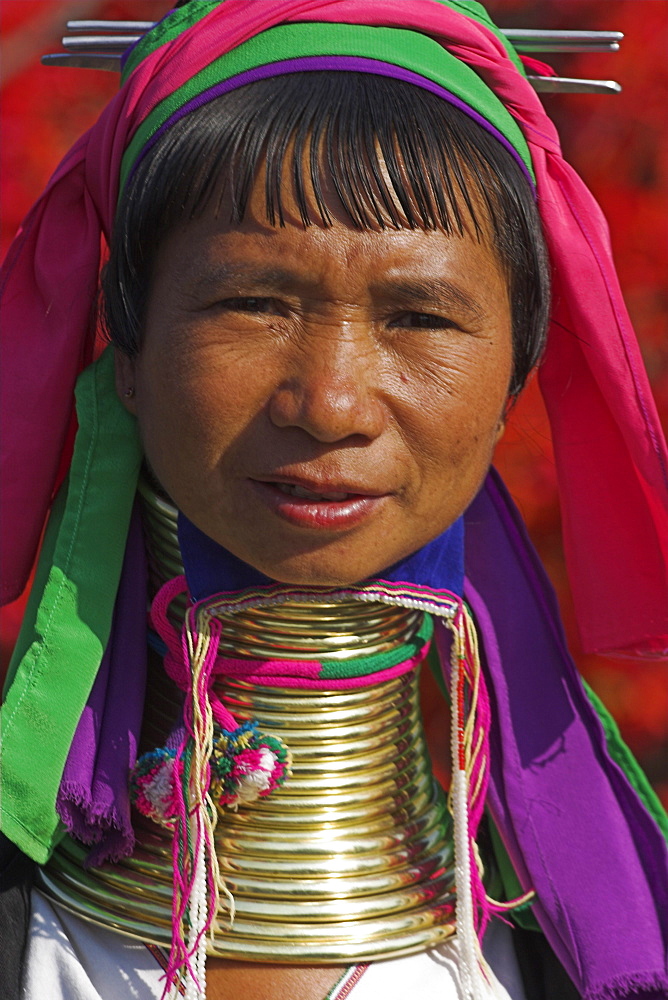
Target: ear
column 503, row 419
column 125, row 380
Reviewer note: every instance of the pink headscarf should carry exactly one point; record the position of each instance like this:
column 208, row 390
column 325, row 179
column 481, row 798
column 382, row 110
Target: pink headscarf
column 611, row 457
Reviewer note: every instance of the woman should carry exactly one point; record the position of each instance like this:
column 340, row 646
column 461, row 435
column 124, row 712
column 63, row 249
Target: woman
column 321, row 314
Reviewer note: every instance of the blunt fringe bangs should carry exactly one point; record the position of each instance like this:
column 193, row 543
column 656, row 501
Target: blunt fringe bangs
column 396, row 156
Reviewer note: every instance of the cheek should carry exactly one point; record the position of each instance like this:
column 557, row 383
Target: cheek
column 200, row 415
column 177, row 424
column 453, row 406
column 200, row 390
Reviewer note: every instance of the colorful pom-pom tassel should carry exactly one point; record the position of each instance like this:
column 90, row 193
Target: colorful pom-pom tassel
column 245, row 765
column 153, row 783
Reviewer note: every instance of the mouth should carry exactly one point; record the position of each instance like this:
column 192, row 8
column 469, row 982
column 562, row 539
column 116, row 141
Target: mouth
column 293, row 490
column 318, row 506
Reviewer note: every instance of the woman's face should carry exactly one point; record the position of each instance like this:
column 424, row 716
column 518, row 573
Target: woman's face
column 321, row 401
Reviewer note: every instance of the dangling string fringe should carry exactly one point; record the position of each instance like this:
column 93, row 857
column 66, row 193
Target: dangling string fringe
column 197, row 881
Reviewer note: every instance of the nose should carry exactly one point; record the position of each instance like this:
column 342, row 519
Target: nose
column 333, row 388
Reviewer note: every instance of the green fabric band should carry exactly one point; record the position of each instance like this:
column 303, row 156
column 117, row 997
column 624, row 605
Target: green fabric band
column 362, row 666
column 68, row 620
column 623, row 757
column 407, row 49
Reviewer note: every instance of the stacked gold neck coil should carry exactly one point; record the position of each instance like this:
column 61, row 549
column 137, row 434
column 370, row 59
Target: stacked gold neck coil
column 317, row 630
column 352, row 859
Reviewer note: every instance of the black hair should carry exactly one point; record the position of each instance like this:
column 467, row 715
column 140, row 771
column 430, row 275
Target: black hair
column 397, row 156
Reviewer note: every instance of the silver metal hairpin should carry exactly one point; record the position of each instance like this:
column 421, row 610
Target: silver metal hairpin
column 101, row 45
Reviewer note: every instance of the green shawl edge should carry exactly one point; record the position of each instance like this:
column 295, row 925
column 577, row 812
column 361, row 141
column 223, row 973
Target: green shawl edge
column 68, row 619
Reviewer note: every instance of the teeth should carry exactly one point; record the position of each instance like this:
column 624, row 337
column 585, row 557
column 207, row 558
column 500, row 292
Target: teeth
column 299, row 491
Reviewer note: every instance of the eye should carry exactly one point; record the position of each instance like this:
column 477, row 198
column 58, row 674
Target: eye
column 423, row 321
column 251, row 304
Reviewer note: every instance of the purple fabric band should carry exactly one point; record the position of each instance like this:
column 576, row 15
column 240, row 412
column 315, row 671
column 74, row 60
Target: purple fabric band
column 345, row 64
column 93, row 800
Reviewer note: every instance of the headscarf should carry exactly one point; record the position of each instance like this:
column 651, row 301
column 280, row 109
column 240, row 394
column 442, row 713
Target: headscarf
column 592, row 378
column 615, row 509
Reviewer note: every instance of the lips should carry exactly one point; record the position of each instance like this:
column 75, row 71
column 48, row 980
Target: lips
column 322, row 506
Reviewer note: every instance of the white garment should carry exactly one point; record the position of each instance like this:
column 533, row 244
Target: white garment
column 69, row 958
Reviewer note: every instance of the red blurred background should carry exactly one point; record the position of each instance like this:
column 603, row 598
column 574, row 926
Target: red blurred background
column 618, row 144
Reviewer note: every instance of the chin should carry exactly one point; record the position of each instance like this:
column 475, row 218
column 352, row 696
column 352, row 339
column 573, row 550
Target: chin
column 311, row 575
column 316, row 569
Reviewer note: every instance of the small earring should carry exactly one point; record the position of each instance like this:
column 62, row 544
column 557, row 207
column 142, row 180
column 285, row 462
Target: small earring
column 129, row 392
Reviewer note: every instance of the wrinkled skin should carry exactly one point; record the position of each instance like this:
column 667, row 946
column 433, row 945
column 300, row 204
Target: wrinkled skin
column 373, row 366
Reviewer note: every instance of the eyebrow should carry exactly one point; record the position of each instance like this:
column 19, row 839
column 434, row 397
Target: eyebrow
column 271, row 277
column 433, row 291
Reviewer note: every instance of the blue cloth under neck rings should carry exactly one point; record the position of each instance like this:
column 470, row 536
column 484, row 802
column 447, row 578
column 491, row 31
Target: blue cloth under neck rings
column 210, row 568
